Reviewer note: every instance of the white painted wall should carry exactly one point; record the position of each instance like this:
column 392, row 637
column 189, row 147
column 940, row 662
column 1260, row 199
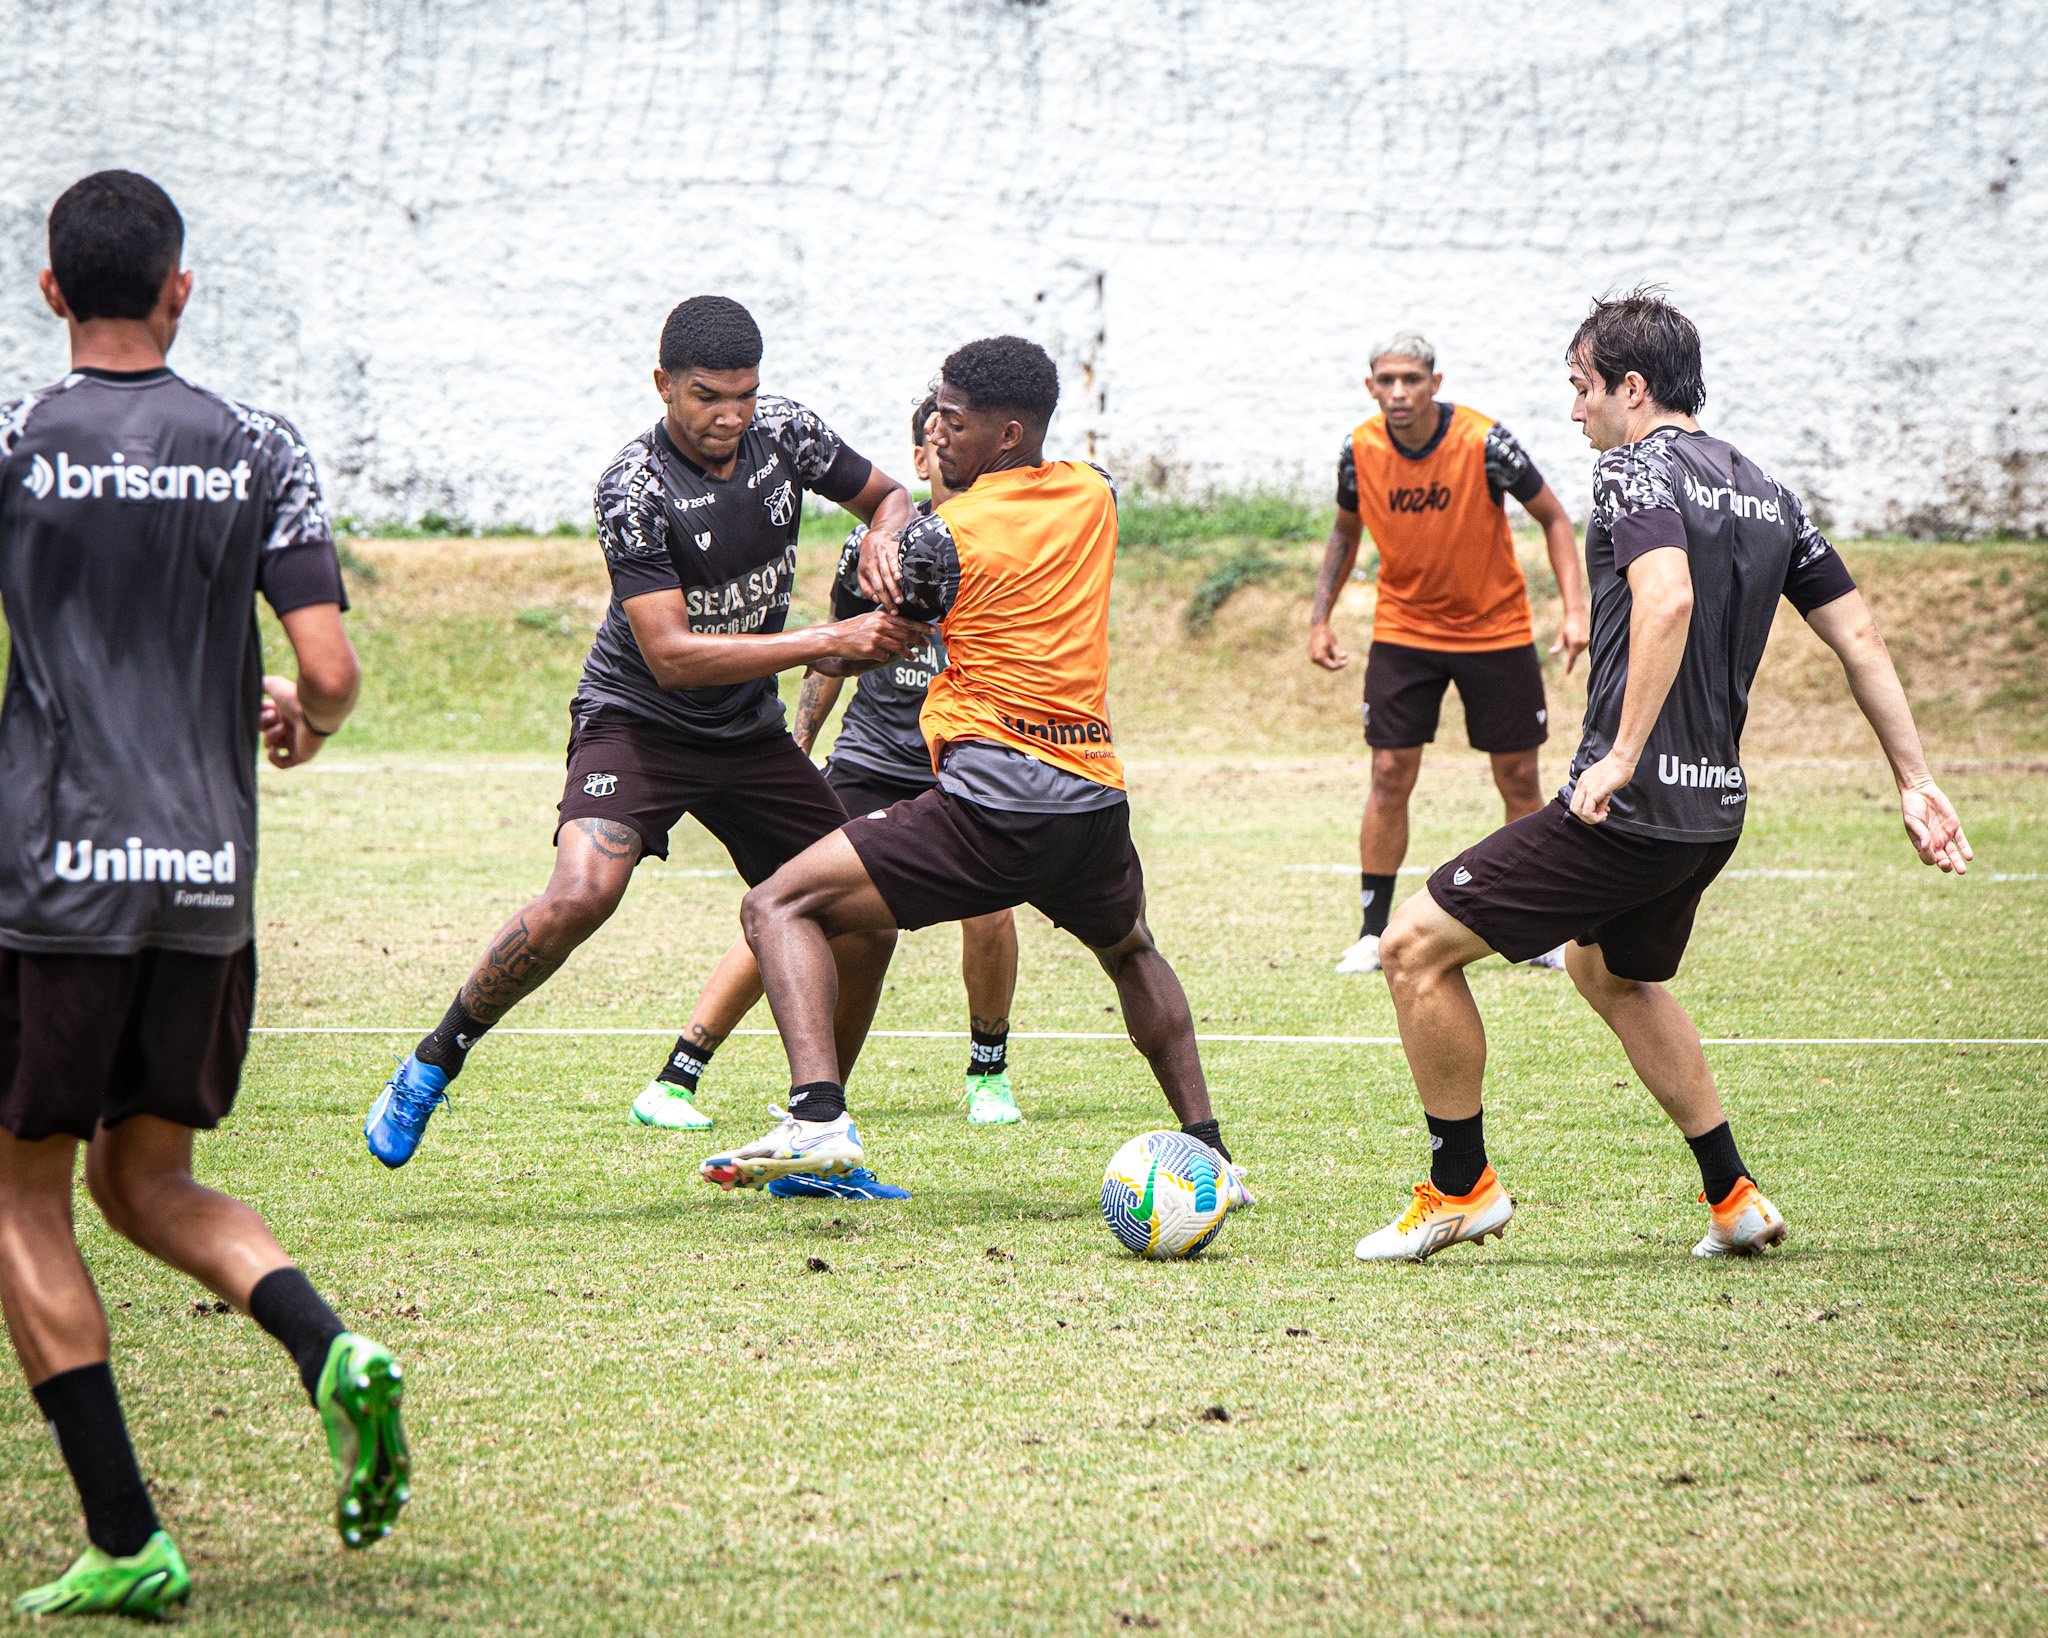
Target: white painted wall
column 443, row 233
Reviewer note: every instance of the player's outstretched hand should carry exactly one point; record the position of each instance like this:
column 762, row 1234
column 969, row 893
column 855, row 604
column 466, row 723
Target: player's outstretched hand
column 1597, row 785
column 1572, row 636
column 880, row 571
column 1323, row 649
column 286, row 737
column 1933, row 828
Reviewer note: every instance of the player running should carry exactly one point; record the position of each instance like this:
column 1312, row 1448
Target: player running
column 880, row 758
column 677, row 711
column 1429, row 480
column 1690, row 548
column 1029, row 807
column 139, row 517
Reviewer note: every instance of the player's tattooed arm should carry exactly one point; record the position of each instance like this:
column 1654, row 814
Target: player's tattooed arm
column 814, row 704
column 1339, row 556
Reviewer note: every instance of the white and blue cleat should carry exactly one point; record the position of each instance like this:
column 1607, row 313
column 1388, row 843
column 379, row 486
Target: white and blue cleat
column 397, row 1120
column 860, row 1184
column 830, row 1148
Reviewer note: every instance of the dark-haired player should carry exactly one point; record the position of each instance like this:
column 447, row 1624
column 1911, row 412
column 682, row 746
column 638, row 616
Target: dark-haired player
column 1690, row 548
column 139, row 517
column 1029, row 807
column 677, row 711
column 1430, row 481
column 880, row 758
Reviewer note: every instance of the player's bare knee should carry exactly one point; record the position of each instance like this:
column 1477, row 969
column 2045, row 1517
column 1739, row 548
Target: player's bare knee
column 1393, row 775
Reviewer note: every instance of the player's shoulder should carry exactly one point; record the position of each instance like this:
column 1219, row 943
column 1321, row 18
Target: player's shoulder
column 16, row 413
column 264, row 428
column 772, row 413
column 1108, row 482
column 630, row 519
column 1371, row 433
column 1637, row 477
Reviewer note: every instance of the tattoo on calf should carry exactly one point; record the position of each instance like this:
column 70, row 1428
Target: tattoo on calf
column 989, row 1026
column 510, row 971
column 698, row 1035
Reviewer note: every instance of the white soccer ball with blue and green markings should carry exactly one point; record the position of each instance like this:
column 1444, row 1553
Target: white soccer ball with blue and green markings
column 1165, row 1195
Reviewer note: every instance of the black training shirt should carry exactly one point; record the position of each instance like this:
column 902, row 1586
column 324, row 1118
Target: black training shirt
column 1747, row 542
column 728, row 544
column 880, row 731
column 139, row 517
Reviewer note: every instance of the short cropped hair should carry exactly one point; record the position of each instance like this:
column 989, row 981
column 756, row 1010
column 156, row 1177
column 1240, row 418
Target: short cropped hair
column 114, row 238
column 1005, row 373
column 927, row 407
column 1641, row 331
column 1404, row 344
column 710, row 333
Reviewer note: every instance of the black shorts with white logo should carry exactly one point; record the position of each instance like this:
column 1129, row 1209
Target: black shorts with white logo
column 863, row 790
column 1502, row 691
column 90, row 1040
column 763, row 799
column 1534, row 884
column 938, row 858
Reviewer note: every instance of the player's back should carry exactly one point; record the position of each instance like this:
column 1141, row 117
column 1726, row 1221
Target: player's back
column 1027, row 629
column 135, row 513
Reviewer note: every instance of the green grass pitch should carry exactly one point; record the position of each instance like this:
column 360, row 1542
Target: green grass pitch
column 639, row 1405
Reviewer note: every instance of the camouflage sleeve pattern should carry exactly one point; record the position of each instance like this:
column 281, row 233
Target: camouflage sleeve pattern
column 632, row 524
column 298, row 565
column 1102, row 472
column 1635, row 499
column 930, row 569
column 1816, row 574
column 811, row 447
column 1347, row 478
column 847, row 600
column 1509, row 471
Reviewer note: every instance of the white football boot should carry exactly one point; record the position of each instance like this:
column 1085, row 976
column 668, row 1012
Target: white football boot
column 828, row 1148
column 1362, row 957
column 1742, row 1225
column 670, row 1108
column 1553, row 959
column 1434, row 1220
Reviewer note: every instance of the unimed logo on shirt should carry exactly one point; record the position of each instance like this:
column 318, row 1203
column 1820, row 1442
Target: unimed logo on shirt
column 119, row 478
column 85, row 860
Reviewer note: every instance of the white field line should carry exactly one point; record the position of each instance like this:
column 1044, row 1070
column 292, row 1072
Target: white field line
column 1759, row 874
column 1233, row 1040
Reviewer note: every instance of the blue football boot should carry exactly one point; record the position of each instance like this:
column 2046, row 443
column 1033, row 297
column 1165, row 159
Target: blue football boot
column 398, row 1119
column 855, row 1185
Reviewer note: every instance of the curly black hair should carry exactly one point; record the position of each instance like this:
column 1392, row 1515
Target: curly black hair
column 927, row 407
column 710, row 333
column 1005, row 373
column 114, row 238
column 1642, row 331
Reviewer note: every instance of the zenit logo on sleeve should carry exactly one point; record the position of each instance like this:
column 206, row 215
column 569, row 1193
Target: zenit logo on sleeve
column 123, row 479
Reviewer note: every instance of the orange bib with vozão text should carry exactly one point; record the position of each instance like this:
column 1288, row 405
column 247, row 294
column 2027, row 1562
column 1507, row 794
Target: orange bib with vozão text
column 1027, row 638
column 1448, row 575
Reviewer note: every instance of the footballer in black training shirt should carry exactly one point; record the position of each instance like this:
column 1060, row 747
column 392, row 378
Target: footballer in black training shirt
column 1690, row 548
column 677, row 711
column 139, row 517
column 879, row 759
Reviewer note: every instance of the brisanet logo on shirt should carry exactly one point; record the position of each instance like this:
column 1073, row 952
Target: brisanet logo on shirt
column 1741, row 505
column 85, row 860
column 122, row 479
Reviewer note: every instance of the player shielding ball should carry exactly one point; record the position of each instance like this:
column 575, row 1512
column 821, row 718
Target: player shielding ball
column 1430, row 481
column 139, row 517
column 1690, row 547
column 677, row 711
column 1030, row 805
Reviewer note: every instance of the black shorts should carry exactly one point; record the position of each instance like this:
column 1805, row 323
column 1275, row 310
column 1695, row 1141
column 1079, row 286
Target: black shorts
column 941, row 859
column 763, row 799
column 89, row 1040
column 863, row 790
column 1502, row 690
column 1534, row 884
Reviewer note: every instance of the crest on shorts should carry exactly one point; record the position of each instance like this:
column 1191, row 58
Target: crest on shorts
column 781, row 503
column 600, row 784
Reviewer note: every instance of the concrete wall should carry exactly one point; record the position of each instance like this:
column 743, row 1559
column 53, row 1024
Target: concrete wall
column 443, row 233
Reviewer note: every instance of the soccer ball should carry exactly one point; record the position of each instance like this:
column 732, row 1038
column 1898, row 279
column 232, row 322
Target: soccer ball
column 1164, row 1195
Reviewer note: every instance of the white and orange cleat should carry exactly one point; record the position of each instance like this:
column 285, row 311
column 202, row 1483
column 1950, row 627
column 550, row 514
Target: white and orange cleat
column 1742, row 1225
column 1434, row 1220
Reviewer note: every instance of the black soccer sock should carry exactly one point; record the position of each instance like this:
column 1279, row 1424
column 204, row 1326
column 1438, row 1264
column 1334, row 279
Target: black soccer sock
column 1721, row 1167
column 285, row 1304
column 84, row 1413
column 1208, row 1131
column 1457, row 1152
column 988, row 1053
column 1375, row 899
column 447, row 1045
column 686, row 1065
column 817, row 1101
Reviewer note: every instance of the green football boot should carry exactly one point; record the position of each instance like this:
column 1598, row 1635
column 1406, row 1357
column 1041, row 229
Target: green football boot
column 360, row 1390
column 670, row 1108
column 145, row 1583
column 990, row 1102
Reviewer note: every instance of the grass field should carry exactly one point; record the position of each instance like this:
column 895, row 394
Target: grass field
column 639, row 1405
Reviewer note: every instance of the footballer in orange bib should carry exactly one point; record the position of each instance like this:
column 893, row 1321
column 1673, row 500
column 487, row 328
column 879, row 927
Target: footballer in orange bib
column 1014, row 567
column 1430, row 480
